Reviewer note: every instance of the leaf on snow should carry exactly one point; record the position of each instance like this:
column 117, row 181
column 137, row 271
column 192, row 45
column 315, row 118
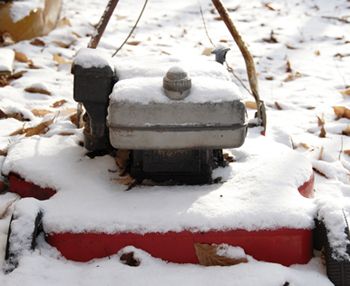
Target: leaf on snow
column 250, row 104
column 345, row 92
column 341, row 112
column 60, row 60
column 41, row 128
column 58, row 103
column 41, row 112
column 34, row 89
column 37, row 42
column 21, row 57
column 207, row 256
column 346, row 131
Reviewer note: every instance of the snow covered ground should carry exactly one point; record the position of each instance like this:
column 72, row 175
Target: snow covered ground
column 303, row 66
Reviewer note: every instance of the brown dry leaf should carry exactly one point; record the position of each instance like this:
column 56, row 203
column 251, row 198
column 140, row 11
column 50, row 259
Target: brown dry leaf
column 290, row 47
column 17, row 75
column 3, row 115
column 229, row 158
column 66, row 133
column 64, row 22
column 3, row 152
column 207, row 256
column 304, row 145
column 16, row 115
column 322, row 132
column 347, row 152
column 341, row 112
column 37, row 42
column 58, row 103
column 218, row 18
column 278, row 106
column 250, row 104
column 133, row 43
column 320, row 121
column 36, row 130
column 41, row 128
column 4, row 81
column 272, row 39
column 129, row 259
column 33, row 89
column 346, row 131
column 21, row 57
column 319, row 172
column 269, row 77
column 60, row 60
column 207, row 51
column 288, row 66
column 31, row 65
column 41, row 112
column 345, row 92
column 317, row 53
column 6, row 39
column 74, row 119
column 270, row 6
column 126, row 180
column 292, row 76
column 122, row 158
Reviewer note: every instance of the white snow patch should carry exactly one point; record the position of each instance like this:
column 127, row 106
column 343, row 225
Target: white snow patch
column 88, row 58
column 7, row 57
column 147, row 90
column 230, row 251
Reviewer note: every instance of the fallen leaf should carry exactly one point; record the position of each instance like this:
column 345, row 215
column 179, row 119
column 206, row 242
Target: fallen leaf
column 319, row 172
column 64, row 22
column 345, row 92
column 122, row 159
column 250, row 104
column 129, row 259
column 207, row 256
column 37, row 42
column 74, row 119
column 21, row 57
column 66, row 133
column 317, row 53
column 229, row 158
column 6, row 39
column 17, row 75
column 270, row 6
column 272, row 39
column 207, row 51
column 320, row 121
column 278, row 106
column 218, row 18
column 33, row 89
column 322, row 132
column 288, row 66
column 292, row 76
column 347, row 152
column 126, row 180
column 2, row 115
column 60, row 60
column 269, row 77
column 290, row 47
column 133, row 43
column 341, row 112
column 41, row 112
column 41, row 128
column 58, row 103
column 346, row 131
column 304, row 145
column 3, row 152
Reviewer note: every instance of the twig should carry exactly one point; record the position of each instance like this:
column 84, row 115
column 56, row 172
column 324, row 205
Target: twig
column 204, row 24
column 341, row 147
column 340, row 19
column 253, row 82
column 102, row 24
column 230, row 69
column 132, row 29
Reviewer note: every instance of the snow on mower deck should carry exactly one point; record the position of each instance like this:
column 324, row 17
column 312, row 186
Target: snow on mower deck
column 256, row 206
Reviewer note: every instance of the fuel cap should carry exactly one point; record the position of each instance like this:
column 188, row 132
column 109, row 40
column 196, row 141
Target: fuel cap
column 176, row 83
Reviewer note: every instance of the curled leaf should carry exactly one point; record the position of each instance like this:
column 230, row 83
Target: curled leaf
column 37, row 89
column 207, row 255
column 40, row 112
column 21, row 57
column 58, row 103
column 341, row 112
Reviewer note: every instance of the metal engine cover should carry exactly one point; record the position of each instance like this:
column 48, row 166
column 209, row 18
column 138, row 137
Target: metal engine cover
column 142, row 117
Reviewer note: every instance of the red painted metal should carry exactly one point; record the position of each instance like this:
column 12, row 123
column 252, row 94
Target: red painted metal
column 307, row 189
column 27, row 189
column 284, row 246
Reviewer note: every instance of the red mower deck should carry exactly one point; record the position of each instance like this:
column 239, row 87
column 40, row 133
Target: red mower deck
column 90, row 215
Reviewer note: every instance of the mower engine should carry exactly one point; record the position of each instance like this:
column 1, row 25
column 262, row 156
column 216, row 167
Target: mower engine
column 174, row 123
